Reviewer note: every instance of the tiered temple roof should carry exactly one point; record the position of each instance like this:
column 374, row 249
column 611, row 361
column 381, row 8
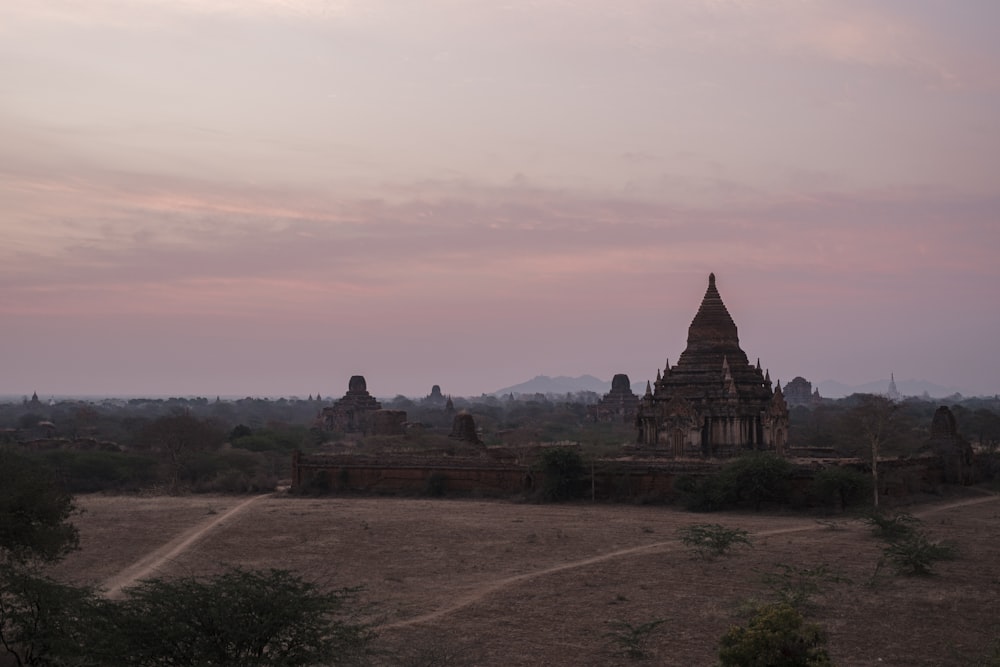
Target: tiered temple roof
column 713, row 402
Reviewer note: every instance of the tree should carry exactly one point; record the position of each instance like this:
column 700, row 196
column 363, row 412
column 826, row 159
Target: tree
column 757, row 477
column 34, row 512
column 841, row 486
column 179, row 438
column 242, row 618
column 43, row 621
column 563, row 472
column 874, row 417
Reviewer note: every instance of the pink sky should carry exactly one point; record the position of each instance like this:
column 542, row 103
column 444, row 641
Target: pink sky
column 265, row 197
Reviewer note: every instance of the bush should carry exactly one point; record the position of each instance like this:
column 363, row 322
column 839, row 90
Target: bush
column 711, row 540
column 776, row 636
column 563, row 474
column 841, row 488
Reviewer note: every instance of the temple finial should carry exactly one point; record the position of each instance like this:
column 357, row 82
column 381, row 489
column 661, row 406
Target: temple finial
column 649, row 390
column 711, row 280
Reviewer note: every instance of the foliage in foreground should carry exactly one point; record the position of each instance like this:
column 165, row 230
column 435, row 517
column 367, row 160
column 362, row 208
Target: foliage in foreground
column 241, row 618
column 776, row 636
column 711, row 540
column 34, row 512
column 42, row 621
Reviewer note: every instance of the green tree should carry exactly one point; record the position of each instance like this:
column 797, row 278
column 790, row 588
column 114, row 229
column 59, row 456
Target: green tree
column 34, row 512
column 563, row 473
column 776, row 636
column 241, row 618
column 758, row 477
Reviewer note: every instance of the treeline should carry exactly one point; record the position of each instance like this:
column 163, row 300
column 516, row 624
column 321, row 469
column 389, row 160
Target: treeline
column 202, row 445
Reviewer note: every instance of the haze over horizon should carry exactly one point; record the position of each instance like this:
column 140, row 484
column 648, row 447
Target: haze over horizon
column 265, row 197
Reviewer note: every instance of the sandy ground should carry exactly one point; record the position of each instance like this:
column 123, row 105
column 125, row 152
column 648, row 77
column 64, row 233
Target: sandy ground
column 499, row 583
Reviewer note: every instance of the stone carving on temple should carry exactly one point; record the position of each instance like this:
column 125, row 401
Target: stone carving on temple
column 713, row 402
column 352, row 413
column 618, row 405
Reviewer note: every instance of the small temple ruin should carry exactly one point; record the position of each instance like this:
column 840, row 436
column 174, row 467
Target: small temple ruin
column 354, row 412
column 955, row 451
column 713, row 402
column 800, row 392
column 618, row 405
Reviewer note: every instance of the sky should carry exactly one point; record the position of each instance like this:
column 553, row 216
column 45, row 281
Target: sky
column 265, row 197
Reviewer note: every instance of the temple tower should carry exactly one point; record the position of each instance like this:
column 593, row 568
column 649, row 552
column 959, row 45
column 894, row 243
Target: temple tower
column 713, row 402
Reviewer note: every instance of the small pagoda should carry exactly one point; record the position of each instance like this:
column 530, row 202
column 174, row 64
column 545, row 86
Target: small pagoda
column 713, row 402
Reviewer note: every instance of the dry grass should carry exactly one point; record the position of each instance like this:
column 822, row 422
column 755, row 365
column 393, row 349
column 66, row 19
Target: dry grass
column 496, row 583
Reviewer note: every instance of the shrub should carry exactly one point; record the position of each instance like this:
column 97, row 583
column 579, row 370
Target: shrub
column 776, row 636
column 711, row 540
column 916, row 554
column 892, row 528
column 796, row 586
column 629, row 639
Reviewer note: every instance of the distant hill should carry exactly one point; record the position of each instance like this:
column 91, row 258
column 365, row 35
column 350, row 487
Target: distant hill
column 543, row 384
column 834, row 389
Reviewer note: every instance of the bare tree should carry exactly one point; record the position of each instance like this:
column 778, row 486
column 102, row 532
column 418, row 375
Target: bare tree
column 875, row 418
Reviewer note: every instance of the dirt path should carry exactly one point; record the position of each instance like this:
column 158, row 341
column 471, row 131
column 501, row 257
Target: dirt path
column 481, row 592
column 152, row 561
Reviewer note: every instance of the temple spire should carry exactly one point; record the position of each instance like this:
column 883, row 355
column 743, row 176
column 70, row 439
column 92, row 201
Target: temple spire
column 712, row 324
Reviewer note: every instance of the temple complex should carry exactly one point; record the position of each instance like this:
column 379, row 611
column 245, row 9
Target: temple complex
column 713, row 403
column 618, row 405
column 353, row 412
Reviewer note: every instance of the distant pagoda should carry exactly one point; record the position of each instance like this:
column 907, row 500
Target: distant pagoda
column 713, row 403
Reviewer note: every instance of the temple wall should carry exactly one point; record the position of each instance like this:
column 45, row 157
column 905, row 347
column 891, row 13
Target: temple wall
column 612, row 480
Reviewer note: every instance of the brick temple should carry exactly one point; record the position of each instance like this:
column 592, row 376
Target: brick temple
column 713, row 402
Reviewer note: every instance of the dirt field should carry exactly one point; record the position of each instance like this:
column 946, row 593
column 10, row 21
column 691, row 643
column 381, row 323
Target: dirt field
column 498, row 583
